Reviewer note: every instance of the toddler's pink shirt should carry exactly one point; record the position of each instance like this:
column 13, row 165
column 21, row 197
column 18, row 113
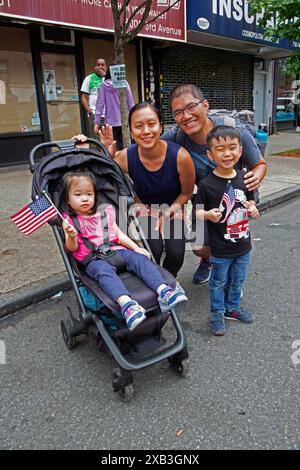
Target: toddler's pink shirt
column 91, row 228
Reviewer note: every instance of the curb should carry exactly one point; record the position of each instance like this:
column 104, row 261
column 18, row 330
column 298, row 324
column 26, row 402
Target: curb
column 40, row 294
column 35, row 296
column 279, row 197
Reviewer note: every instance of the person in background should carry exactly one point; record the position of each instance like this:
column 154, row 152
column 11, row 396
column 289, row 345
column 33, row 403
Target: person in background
column 89, row 91
column 108, row 103
column 190, row 111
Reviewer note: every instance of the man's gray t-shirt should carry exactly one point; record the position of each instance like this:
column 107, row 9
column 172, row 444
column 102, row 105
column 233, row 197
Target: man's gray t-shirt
column 203, row 166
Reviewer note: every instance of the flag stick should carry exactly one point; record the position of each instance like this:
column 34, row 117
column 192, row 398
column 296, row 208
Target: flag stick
column 45, row 194
column 64, row 220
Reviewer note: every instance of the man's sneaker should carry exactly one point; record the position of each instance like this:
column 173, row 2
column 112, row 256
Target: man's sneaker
column 239, row 315
column 133, row 313
column 169, row 298
column 202, row 274
column 217, row 324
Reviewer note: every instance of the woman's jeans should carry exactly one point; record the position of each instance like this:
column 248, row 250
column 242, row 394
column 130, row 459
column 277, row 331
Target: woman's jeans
column 226, row 282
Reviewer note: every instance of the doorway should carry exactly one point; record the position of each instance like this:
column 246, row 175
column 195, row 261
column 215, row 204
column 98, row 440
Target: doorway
column 60, row 91
column 259, row 98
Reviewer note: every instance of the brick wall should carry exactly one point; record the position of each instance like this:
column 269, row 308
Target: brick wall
column 226, row 78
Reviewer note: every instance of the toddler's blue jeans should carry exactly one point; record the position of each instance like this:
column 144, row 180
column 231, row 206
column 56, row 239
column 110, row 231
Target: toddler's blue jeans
column 226, row 282
column 106, row 274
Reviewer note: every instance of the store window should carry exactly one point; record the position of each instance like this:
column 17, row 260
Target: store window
column 18, row 104
column 285, row 106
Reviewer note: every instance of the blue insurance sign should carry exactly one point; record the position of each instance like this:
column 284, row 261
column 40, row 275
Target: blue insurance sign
column 230, row 19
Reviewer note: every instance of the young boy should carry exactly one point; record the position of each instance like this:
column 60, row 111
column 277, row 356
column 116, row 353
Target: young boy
column 227, row 205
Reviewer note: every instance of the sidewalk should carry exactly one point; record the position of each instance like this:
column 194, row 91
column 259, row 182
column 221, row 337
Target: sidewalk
column 32, row 268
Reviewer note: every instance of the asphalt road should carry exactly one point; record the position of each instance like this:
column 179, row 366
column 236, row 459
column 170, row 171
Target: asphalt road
column 241, row 392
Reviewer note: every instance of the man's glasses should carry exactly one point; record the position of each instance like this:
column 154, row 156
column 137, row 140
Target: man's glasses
column 179, row 113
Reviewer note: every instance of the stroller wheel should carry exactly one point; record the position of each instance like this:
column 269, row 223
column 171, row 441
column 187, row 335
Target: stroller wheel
column 122, row 383
column 66, row 329
column 176, row 364
column 127, row 393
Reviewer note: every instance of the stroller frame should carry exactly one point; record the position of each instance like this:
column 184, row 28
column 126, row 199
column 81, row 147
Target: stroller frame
column 73, row 327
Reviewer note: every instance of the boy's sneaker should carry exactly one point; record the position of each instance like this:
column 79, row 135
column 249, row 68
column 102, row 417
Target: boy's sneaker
column 169, row 298
column 203, row 272
column 239, row 315
column 133, row 313
column 217, row 324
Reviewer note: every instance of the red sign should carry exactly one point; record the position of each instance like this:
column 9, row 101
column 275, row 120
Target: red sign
column 97, row 15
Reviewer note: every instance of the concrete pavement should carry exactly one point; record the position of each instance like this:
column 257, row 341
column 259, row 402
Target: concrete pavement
column 32, row 268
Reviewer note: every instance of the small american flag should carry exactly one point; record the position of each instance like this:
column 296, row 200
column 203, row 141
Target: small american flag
column 228, row 200
column 34, row 215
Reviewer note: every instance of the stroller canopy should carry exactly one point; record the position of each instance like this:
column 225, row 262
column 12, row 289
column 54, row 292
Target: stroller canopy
column 111, row 179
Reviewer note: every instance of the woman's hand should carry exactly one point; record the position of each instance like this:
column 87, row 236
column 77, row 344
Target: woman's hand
column 174, row 212
column 107, row 139
column 143, row 251
column 81, row 138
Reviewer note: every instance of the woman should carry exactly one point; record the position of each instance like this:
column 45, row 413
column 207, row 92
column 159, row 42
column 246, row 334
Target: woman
column 163, row 175
column 108, row 102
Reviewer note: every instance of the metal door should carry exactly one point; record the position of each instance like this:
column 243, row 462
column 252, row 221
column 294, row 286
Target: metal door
column 259, row 98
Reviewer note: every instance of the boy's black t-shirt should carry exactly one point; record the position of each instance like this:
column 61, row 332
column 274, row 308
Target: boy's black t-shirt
column 232, row 237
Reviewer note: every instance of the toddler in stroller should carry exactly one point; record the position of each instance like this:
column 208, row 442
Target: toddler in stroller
column 140, row 343
column 99, row 246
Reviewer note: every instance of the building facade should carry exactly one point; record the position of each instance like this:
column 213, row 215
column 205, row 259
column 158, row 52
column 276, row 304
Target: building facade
column 47, row 50
column 227, row 56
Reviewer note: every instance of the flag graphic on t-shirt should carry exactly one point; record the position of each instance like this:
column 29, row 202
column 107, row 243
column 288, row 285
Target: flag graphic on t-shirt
column 228, row 201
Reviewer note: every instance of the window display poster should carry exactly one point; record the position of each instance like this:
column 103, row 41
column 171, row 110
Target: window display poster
column 50, row 85
column 118, row 75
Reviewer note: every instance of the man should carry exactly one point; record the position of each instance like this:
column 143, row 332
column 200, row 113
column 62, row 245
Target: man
column 190, row 111
column 89, row 91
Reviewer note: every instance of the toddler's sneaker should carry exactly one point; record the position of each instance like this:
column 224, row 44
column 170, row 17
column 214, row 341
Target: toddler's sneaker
column 169, row 298
column 179, row 288
column 239, row 315
column 133, row 313
column 217, row 324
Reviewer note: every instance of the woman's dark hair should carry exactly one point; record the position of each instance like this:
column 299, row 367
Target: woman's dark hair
column 142, row 105
column 223, row 132
column 66, row 183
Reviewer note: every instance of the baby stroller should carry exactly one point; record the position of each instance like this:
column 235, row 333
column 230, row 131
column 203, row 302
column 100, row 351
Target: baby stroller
column 132, row 350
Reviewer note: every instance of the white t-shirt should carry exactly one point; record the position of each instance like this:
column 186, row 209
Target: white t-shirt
column 93, row 93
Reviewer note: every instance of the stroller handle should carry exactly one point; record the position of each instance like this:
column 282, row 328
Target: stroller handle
column 62, row 145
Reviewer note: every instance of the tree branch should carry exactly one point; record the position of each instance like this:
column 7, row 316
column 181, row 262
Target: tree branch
column 161, row 13
column 147, row 4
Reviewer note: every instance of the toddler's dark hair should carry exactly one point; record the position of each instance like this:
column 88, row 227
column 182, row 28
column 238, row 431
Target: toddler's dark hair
column 67, row 181
column 223, row 132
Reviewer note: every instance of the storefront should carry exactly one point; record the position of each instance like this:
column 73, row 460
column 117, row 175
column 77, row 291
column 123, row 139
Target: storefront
column 40, row 83
column 226, row 55
column 46, row 52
